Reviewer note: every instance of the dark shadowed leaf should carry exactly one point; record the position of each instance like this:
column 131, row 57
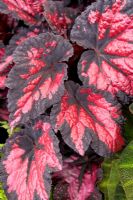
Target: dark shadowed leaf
column 87, row 117
column 119, row 194
column 131, row 108
column 29, row 157
column 105, row 29
column 40, row 71
column 7, row 26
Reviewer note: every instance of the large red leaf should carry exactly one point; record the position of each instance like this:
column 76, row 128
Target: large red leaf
column 106, row 30
column 60, row 18
column 29, row 157
column 27, row 10
column 86, row 117
column 37, row 80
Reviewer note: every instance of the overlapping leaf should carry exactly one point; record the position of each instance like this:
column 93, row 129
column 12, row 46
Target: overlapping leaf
column 27, row 10
column 29, row 157
column 37, row 80
column 4, row 67
column 74, row 187
column 6, row 61
column 106, row 30
column 2, row 78
column 20, row 37
column 86, row 117
column 60, row 18
column 69, row 177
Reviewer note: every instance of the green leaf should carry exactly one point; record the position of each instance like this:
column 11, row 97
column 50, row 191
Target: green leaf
column 126, row 170
column 111, row 178
column 128, row 126
column 5, row 125
column 2, row 194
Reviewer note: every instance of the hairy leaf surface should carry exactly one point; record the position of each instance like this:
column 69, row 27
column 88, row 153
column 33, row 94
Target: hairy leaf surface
column 105, row 29
column 37, row 80
column 29, row 157
column 86, row 117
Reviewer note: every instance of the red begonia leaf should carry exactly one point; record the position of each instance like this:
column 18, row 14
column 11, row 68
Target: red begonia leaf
column 20, row 37
column 69, row 176
column 16, row 40
column 37, row 80
column 5, row 66
column 59, row 18
column 4, row 69
column 27, row 10
column 87, row 117
column 29, row 157
column 2, row 81
column 105, row 29
column 5, row 61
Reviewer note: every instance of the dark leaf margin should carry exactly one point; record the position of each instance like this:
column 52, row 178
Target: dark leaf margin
column 81, row 104
column 39, row 60
column 32, row 142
